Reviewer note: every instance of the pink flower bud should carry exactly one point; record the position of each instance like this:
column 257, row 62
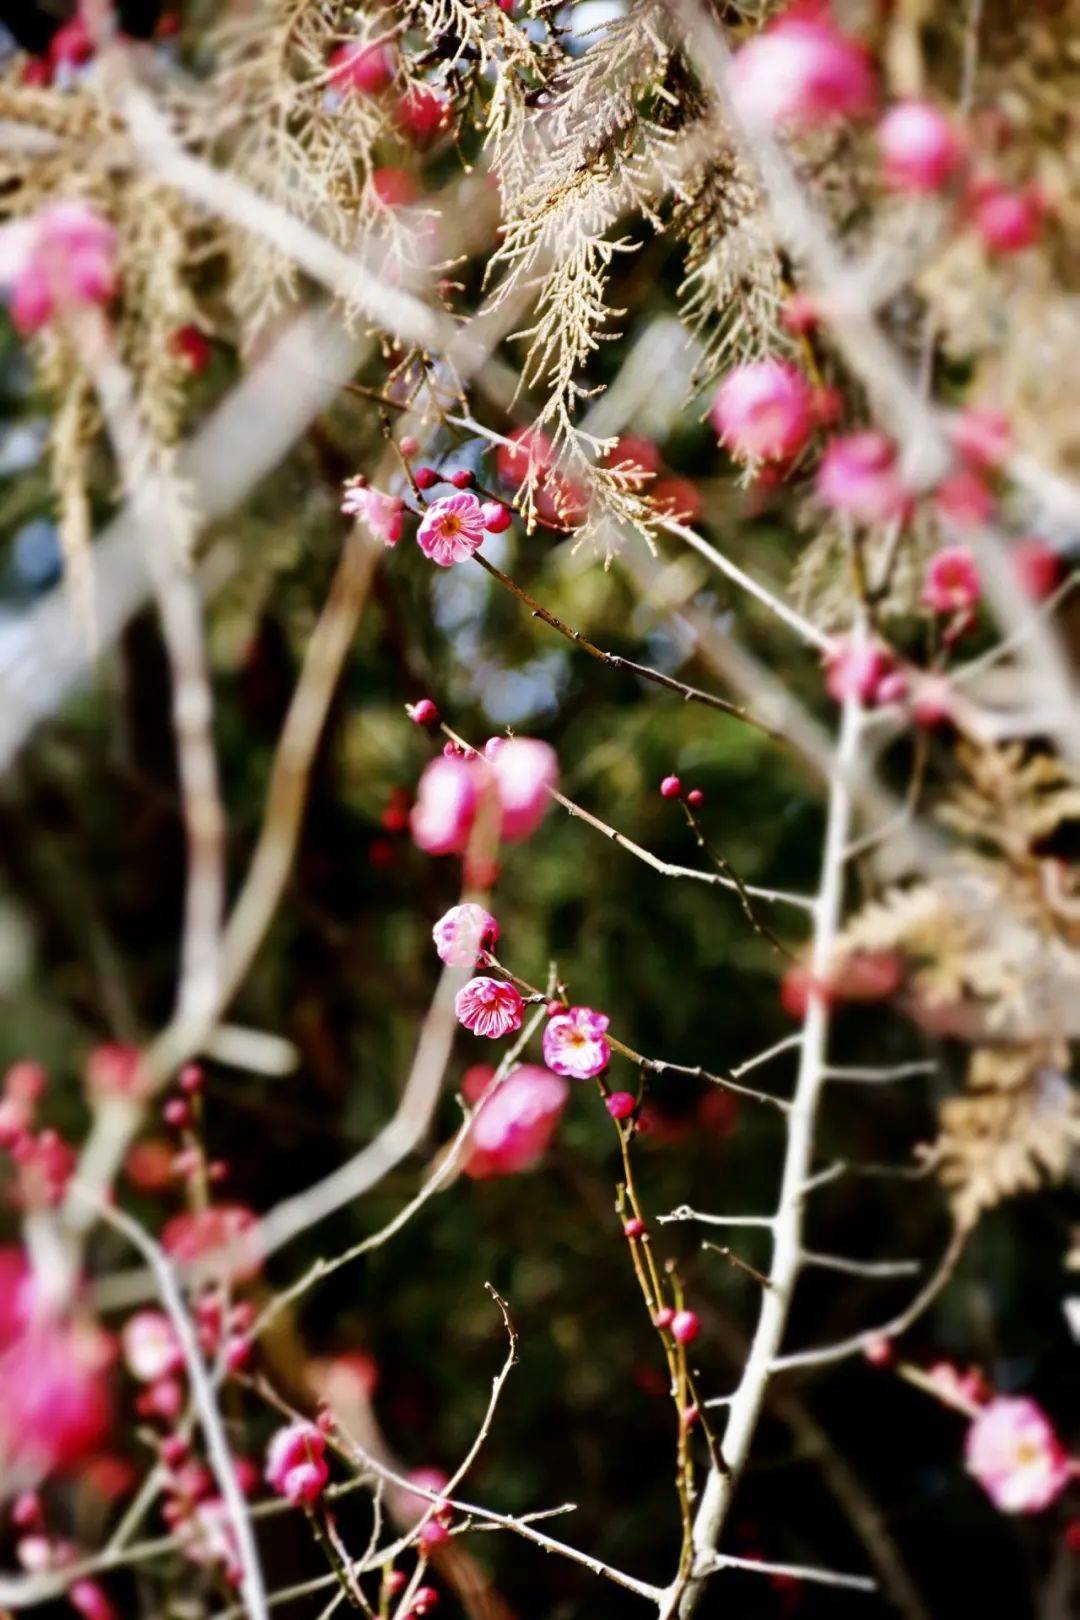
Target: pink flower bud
column 408, row 444
column 365, row 68
column 856, row 669
column 664, row 1317
column 192, row 347
column 800, row 72
column 920, row 150
column 496, row 516
column 191, row 1079
column 88, row 1598
column 695, row 798
column 762, row 411
column 432, row 1535
column 671, row 788
column 952, row 583
column 296, row 1463
column 150, row 1346
column 1039, row 568
column 176, row 1113
column 423, row 712
column 426, row 477
column 983, row 437
column 422, row 113
column 621, row 1104
column 462, row 934
column 634, row 1227
column 426, row 1599
column 463, row 478
column 685, row 1326
column 858, row 476
column 879, row 1352
column 1007, row 221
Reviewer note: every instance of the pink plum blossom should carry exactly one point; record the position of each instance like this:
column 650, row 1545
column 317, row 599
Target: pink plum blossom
column 952, row 583
column 447, row 799
column 800, row 72
column 296, row 1464
column 858, row 669
column 575, row 1043
column 1007, row 221
column 222, row 1238
column 422, row 113
column 514, row 1127
column 461, row 935
column 920, row 149
column 64, row 258
column 964, row 499
column 54, row 1403
column 858, row 476
column 983, row 437
column 489, row 1007
column 1039, row 568
column 89, row 1599
column 1013, row 1452
column 525, row 771
column 383, row 514
column 150, row 1346
column 762, row 411
column 451, row 529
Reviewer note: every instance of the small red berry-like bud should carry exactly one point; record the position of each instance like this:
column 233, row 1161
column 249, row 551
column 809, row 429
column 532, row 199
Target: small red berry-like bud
column 425, row 1600
column 426, row 477
column 191, row 1079
column 621, row 1104
column 690, row 1416
column 695, row 798
column 186, row 1163
column 174, row 1450
column 799, row 313
column 176, row 1113
column 685, row 1326
column 238, row 1352
column 879, row 1352
column 671, row 788
column 326, row 1421
column 554, row 1008
column 26, row 1512
column 423, row 712
column 433, row 1535
column 634, row 1227
column 408, row 445
column 664, row 1317
column 496, row 517
column 395, row 1580
column 463, row 478
column 217, row 1170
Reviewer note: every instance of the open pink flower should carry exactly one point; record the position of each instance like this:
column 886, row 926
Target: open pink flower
column 447, row 799
column 383, row 514
column 514, row 1128
column 800, row 72
column 489, row 1007
column 763, row 411
column 858, row 476
column 575, row 1043
column 952, row 583
column 462, row 933
column 920, row 149
column 296, row 1463
column 63, row 258
column 151, row 1348
column 525, row 771
column 451, row 529
column 1013, row 1452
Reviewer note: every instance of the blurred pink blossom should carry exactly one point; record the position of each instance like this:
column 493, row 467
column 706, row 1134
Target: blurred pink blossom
column 63, row 258
column 920, row 149
column 1013, row 1452
column 762, row 411
column 799, row 72
column 858, row 476
column 513, row 1129
column 952, row 582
